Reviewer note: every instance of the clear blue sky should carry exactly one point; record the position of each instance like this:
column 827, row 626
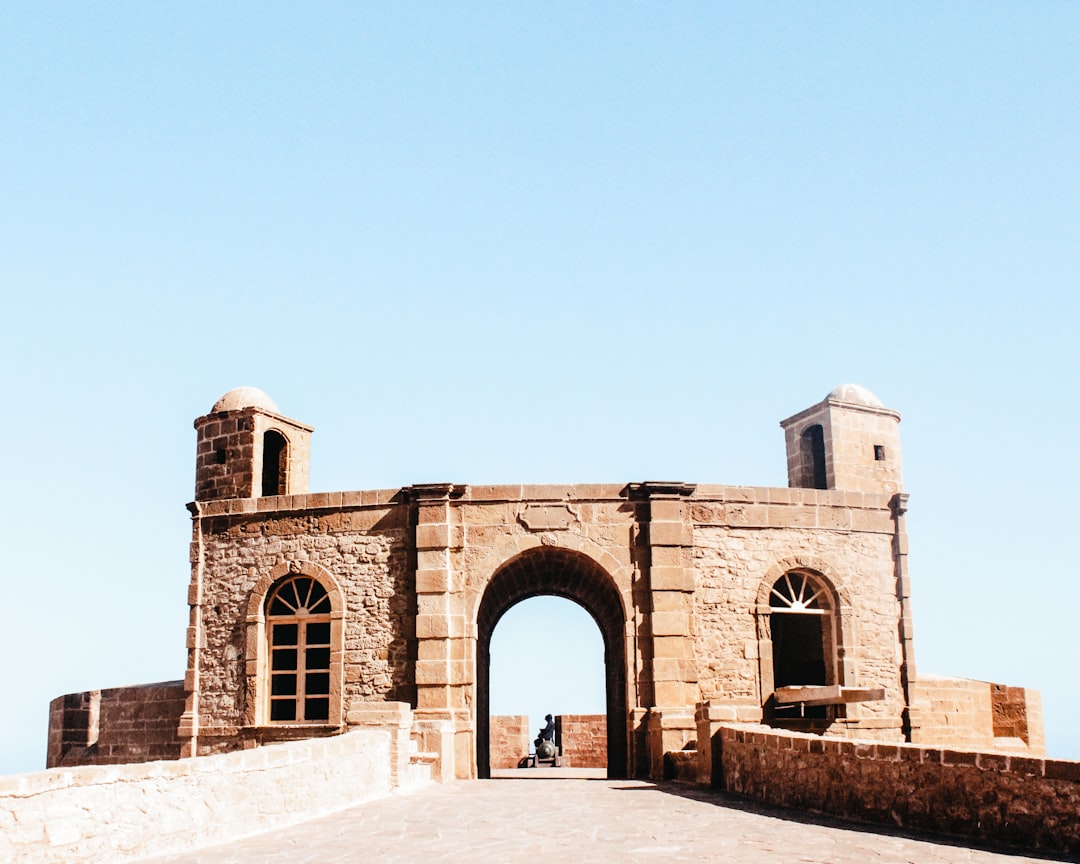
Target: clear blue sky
column 534, row 243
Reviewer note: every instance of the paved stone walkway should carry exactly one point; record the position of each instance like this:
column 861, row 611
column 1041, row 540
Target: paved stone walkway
column 550, row 821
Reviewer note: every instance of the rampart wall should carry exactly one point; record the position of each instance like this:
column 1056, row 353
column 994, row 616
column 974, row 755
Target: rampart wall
column 582, row 740
column 1000, row 798
column 959, row 712
column 709, row 625
column 508, row 740
column 116, row 726
column 125, row 812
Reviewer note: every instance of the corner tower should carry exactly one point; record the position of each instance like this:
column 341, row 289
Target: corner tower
column 248, row 449
column 847, row 441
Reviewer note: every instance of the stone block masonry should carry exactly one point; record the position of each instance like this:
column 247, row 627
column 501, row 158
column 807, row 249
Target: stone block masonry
column 582, row 740
column 715, row 604
column 116, row 726
column 509, row 741
column 364, row 547
column 127, row 812
column 959, row 712
column 703, row 593
column 1004, row 799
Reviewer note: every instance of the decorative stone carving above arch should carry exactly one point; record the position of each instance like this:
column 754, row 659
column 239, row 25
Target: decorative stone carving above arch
column 481, row 573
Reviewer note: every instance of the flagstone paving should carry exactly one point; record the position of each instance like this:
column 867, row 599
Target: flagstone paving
column 520, row 817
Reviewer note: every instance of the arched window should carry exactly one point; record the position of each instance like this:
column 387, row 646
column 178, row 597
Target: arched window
column 275, row 462
column 803, row 631
column 298, row 631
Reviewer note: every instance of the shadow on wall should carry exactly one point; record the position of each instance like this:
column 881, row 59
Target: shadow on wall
column 1011, row 800
column 116, row 726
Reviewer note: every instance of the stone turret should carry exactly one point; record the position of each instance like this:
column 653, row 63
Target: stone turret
column 848, row 441
column 248, row 449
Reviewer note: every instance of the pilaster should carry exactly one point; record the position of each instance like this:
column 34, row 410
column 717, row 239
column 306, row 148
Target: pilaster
column 709, row 718
column 188, row 731
column 444, row 655
column 668, row 730
column 899, row 506
column 670, row 662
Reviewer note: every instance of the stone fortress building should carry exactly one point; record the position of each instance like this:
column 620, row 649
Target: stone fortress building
column 788, row 607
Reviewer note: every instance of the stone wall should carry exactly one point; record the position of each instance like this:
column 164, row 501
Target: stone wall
column 582, row 740
column 1005, row 799
column 126, row 812
column 746, row 540
column 959, row 712
column 366, row 548
column 509, row 740
column 1018, row 715
column 701, row 627
column 116, row 726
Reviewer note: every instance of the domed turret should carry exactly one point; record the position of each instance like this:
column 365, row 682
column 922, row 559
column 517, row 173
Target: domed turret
column 849, row 440
column 248, row 449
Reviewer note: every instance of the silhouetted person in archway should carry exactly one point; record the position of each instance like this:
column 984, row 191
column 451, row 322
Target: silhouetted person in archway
column 545, row 741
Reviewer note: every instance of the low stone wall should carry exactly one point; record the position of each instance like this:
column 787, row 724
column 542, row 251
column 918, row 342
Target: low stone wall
column 123, row 812
column 508, row 740
column 582, row 740
column 960, row 712
column 116, row 726
column 1013, row 800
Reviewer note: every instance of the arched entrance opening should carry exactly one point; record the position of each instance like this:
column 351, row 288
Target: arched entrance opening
column 574, row 576
column 547, row 656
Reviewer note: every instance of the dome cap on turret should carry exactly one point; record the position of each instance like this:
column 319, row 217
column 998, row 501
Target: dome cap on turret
column 853, row 394
column 245, row 397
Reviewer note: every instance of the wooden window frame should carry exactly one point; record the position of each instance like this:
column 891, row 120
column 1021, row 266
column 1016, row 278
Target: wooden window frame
column 299, row 654
column 258, row 651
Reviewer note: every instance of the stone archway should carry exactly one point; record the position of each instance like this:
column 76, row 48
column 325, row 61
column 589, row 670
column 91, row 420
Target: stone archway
column 575, row 576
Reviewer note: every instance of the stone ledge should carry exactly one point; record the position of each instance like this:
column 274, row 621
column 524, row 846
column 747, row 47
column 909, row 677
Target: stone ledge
column 129, row 812
column 768, row 738
column 365, row 499
column 783, row 498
